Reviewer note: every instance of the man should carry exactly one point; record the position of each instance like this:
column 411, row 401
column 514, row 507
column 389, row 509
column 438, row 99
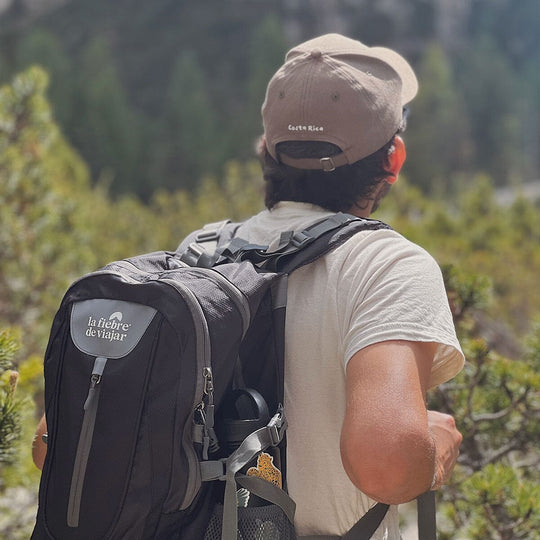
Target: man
column 368, row 328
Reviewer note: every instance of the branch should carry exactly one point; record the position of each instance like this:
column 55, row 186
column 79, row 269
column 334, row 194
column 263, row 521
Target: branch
column 511, row 446
column 486, row 417
column 474, row 383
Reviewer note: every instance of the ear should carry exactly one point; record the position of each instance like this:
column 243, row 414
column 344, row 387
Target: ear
column 396, row 158
column 260, row 146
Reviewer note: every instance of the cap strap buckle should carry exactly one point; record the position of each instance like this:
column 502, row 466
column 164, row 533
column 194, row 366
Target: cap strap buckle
column 328, row 164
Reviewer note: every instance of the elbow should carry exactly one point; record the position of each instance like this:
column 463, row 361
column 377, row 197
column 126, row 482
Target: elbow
column 39, row 451
column 39, row 448
column 392, row 470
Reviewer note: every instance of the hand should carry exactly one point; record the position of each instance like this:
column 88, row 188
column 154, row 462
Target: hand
column 447, row 441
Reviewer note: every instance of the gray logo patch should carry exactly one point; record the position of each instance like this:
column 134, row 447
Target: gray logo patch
column 109, row 328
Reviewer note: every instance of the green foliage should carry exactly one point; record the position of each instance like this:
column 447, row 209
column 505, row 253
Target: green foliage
column 495, row 400
column 35, row 221
column 236, row 198
column 18, row 476
column 8, row 347
column 21, row 471
column 10, row 414
column 500, row 504
column 532, row 343
column 465, row 291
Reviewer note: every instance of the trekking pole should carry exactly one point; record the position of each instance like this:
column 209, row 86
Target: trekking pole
column 426, row 510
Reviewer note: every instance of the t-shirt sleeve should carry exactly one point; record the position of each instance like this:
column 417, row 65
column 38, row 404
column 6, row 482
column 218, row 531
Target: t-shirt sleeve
column 392, row 289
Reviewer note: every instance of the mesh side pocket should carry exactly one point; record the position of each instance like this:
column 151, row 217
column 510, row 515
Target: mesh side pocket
column 254, row 523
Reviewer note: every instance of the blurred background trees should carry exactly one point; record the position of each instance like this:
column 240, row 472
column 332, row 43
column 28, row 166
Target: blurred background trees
column 136, row 131
column 159, row 94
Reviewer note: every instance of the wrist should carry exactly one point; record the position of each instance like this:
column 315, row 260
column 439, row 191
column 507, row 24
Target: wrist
column 435, row 483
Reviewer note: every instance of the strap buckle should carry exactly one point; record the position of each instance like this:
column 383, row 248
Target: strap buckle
column 327, row 164
column 300, row 239
column 276, row 427
column 196, row 255
column 213, row 470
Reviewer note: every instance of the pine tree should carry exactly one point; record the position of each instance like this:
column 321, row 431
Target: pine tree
column 43, row 48
column 266, row 53
column 436, row 139
column 107, row 131
column 489, row 87
column 10, row 420
column 189, row 144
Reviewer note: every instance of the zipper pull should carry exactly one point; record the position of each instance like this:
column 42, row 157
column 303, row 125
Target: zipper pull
column 212, row 443
column 208, row 382
column 95, row 379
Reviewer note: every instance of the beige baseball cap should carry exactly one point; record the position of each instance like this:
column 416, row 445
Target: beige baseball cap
column 338, row 90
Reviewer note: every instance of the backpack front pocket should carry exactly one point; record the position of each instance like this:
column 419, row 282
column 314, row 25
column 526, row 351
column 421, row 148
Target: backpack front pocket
column 98, row 410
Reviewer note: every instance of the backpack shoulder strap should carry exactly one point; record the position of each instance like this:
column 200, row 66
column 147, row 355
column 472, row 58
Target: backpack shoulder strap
column 323, row 238
column 216, row 243
column 297, row 249
column 363, row 529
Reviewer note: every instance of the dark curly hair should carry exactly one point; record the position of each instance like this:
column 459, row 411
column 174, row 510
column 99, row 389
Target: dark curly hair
column 336, row 190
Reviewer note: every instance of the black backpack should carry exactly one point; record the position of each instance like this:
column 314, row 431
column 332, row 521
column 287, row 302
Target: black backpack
column 164, row 393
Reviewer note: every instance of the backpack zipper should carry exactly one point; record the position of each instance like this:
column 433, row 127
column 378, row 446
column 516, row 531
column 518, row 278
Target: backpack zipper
column 204, row 371
column 85, row 442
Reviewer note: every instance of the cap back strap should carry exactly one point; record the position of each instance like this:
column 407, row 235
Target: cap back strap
column 327, row 164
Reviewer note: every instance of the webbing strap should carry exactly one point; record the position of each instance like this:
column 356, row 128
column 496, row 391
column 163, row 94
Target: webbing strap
column 366, row 526
column 200, row 247
column 249, row 448
column 319, row 538
column 363, row 529
column 269, row 492
column 215, row 243
column 294, row 242
column 427, row 516
column 209, row 235
column 226, row 469
column 290, row 242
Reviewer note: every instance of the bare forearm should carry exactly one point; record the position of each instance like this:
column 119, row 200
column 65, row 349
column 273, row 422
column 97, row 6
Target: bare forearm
column 393, row 468
column 387, row 446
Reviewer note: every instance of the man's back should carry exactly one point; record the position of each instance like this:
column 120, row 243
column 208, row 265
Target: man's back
column 337, row 306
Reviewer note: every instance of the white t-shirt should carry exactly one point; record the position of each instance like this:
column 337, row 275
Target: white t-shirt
column 375, row 287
